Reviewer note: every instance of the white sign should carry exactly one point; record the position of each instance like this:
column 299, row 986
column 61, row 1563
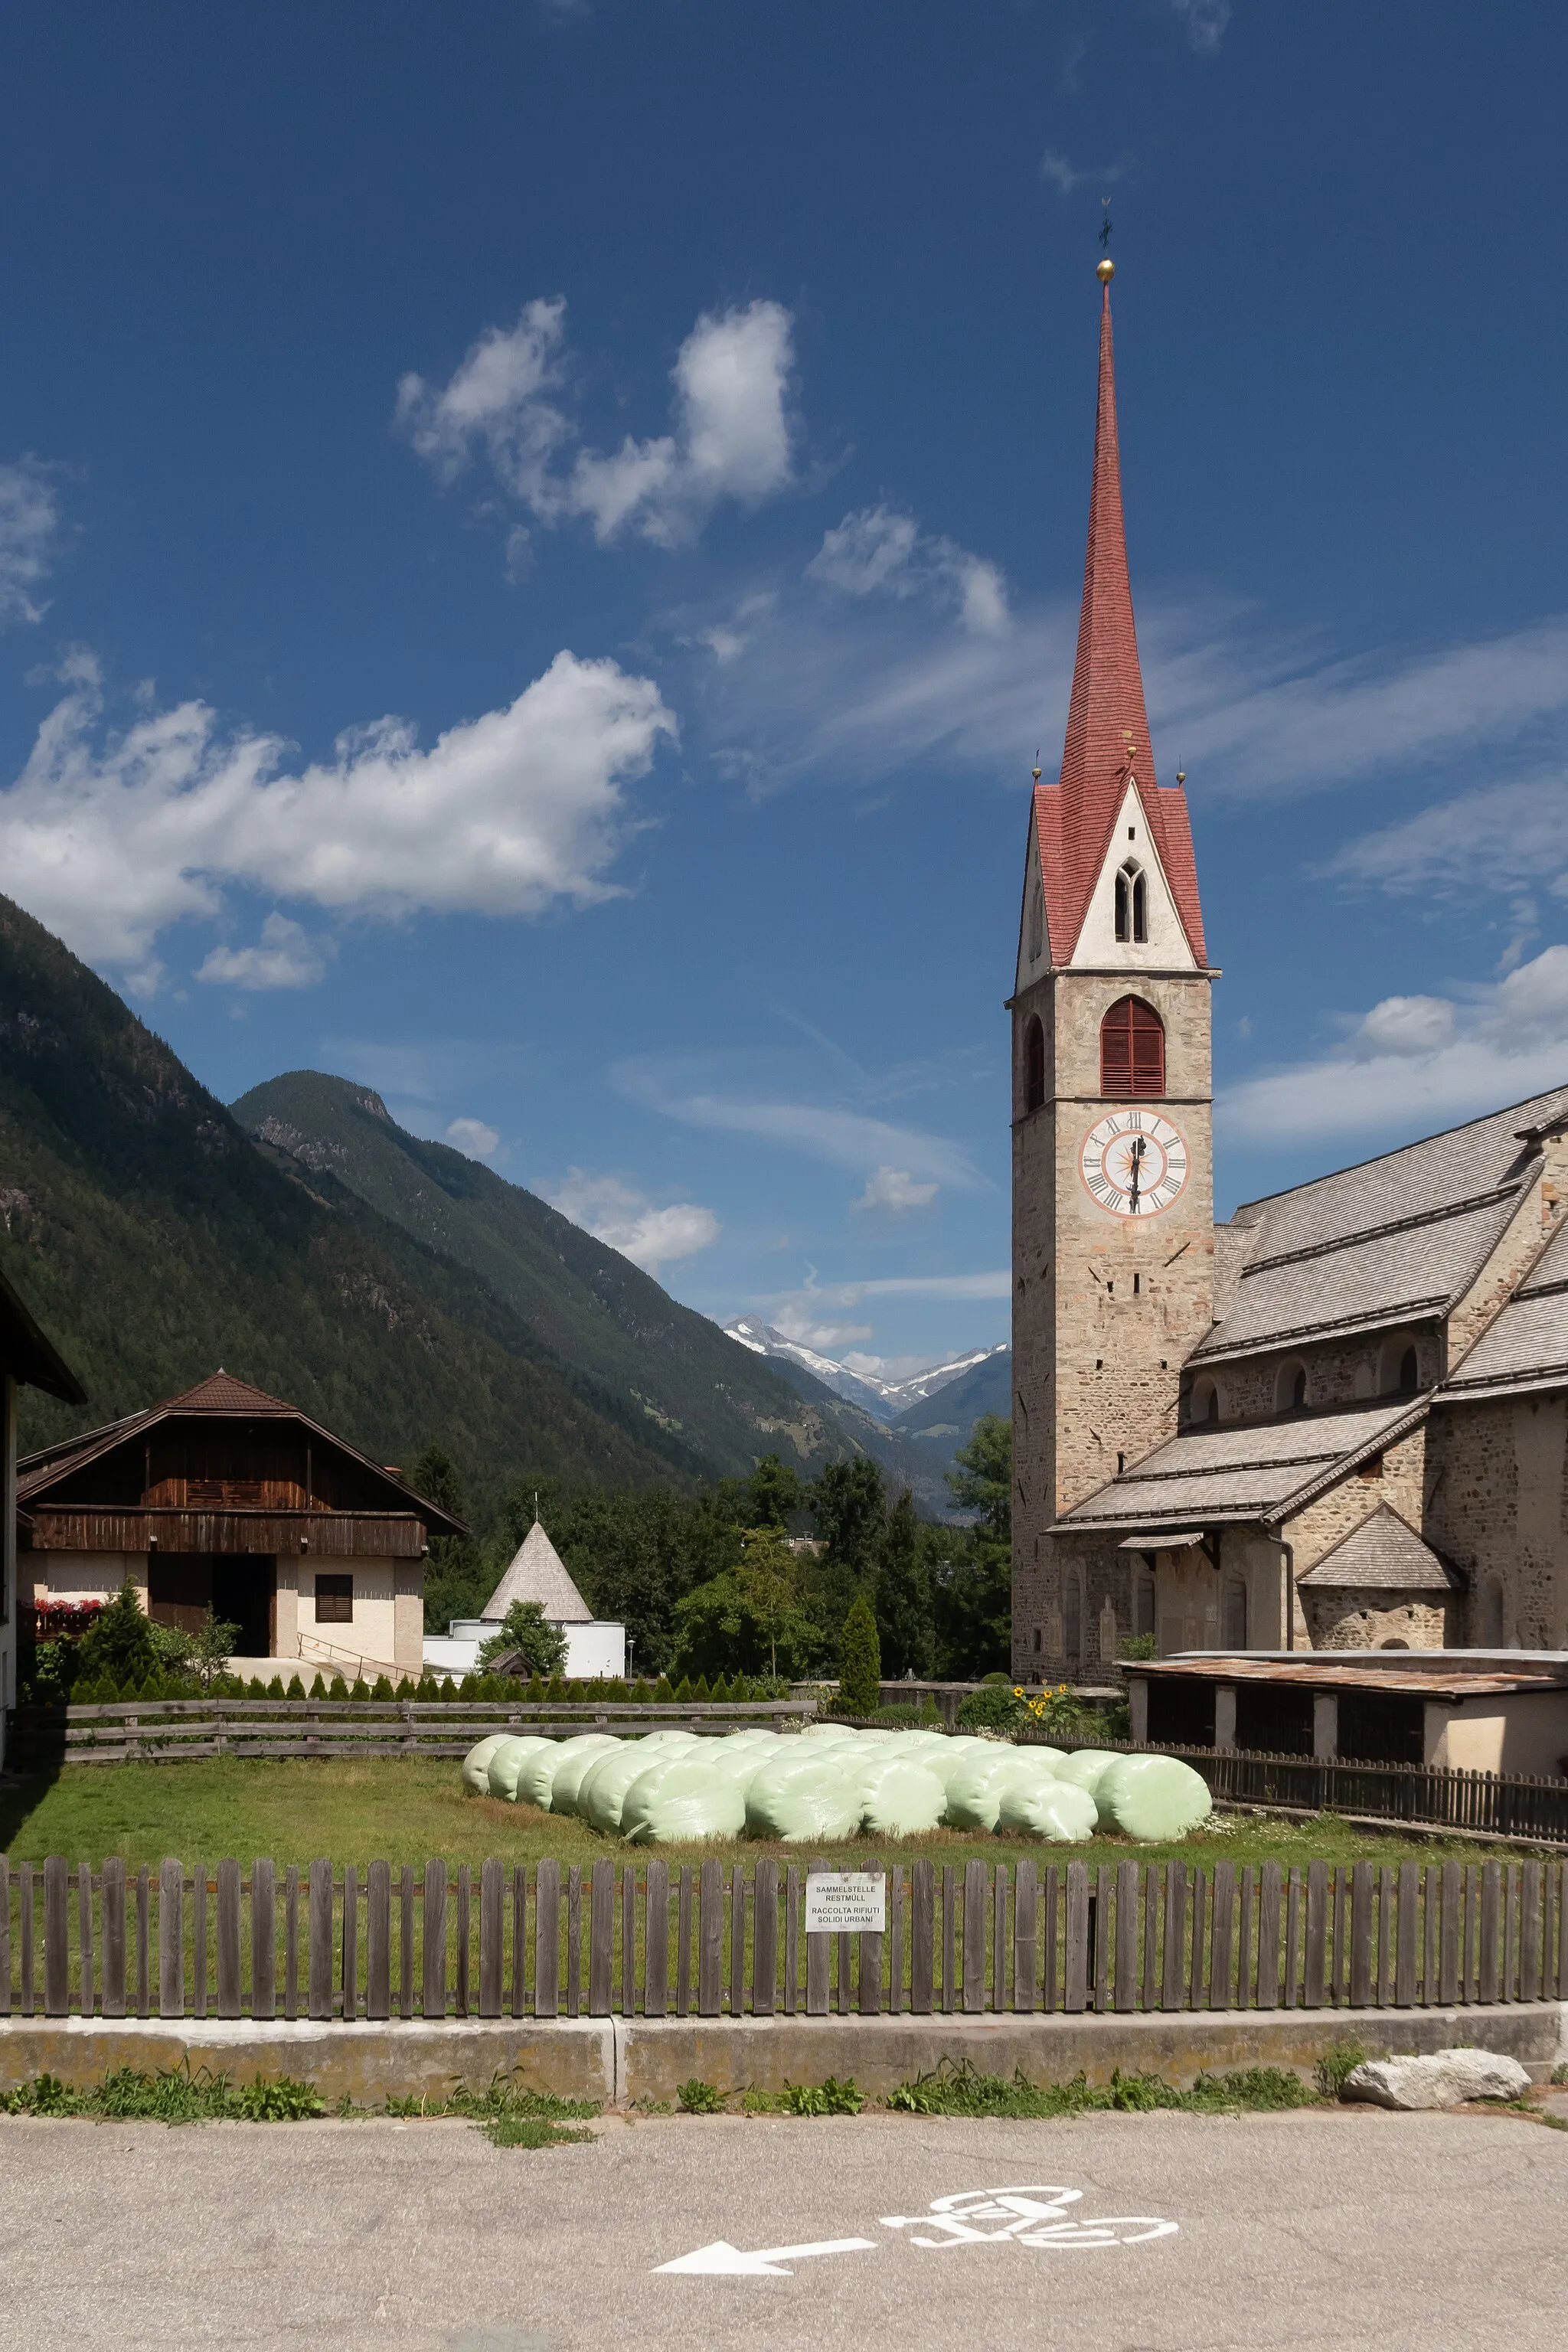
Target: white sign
column 846, row 1903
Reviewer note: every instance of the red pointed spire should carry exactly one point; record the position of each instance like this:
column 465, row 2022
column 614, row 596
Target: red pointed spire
column 1108, row 726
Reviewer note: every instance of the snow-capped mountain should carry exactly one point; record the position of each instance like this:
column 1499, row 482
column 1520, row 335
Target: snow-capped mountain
column 884, row 1399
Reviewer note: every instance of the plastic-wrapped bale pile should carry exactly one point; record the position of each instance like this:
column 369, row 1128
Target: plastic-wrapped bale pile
column 831, row 1783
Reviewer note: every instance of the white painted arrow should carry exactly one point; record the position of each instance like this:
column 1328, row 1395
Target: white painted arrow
column 721, row 2260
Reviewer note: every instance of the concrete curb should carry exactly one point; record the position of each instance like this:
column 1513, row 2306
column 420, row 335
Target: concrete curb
column 614, row 2061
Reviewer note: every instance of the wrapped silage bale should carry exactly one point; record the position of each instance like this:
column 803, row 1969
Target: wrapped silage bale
column 1152, row 1798
column 509, row 1761
column 1086, row 1766
column 537, row 1778
column 957, row 1755
column 475, row 1765
column 1058, row 1810
column 572, row 1769
column 685, row 1798
column 974, row 1794
column 899, row 1799
column 602, row 1790
column 798, row 1800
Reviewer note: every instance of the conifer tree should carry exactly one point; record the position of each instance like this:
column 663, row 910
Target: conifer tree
column 902, row 1594
column 860, row 1676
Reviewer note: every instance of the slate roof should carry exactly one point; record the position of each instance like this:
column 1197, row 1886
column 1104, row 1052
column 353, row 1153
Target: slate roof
column 1526, row 1345
column 1249, row 1470
column 1108, row 726
column 1384, row 1554
column 538, row 1572
column 1397, row 1239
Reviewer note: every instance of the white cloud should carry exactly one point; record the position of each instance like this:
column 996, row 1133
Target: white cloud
column 845, row 1138
column 1205, row 23
column 814, row 1315
column 1421, row 1061
column 29, row 521
column 731, row 434
column 107, row 838
column 893, row 1191
column 1404, row 1024
column 880, row 552
column 286, row 958
column 1066, row 175
column 473, row 1136
column 629, row 1222
column 1506, row 836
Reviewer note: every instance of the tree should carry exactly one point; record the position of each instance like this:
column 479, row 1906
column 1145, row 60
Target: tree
column 525, row 1631
column 983, row 1481
column 747, row 1618
column 902, row 1594
column 850, row 1506
column 775, row 1492
column 119, row 1643
column 459, row 1578
column 860, row 1676
column 971, row 1585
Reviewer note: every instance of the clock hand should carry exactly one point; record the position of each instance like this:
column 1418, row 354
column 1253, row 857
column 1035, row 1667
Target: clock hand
column 1138, row 1148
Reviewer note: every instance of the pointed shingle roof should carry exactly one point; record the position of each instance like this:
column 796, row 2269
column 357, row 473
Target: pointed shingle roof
column 1107, row 740
column 538, row 1572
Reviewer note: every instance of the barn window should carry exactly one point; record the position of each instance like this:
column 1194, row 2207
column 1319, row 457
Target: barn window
column 1131, row 902
column 334, row 1600
column 1034, row 1066
column 1132, row 1049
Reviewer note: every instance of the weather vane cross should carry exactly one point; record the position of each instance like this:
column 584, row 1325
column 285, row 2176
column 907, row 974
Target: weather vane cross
column 1105, row 224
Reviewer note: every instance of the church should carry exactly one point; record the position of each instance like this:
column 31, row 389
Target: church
column 1339, row 1421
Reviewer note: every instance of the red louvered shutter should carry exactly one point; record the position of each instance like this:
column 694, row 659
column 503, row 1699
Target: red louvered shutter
column 1132, row 1049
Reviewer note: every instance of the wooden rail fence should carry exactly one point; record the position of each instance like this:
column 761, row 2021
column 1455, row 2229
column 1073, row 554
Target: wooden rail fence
column 1516, row 1806
column 710, row 1939
column 169, row 1731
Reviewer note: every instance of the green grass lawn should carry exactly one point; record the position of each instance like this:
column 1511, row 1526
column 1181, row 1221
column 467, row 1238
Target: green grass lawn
column 403, row 1809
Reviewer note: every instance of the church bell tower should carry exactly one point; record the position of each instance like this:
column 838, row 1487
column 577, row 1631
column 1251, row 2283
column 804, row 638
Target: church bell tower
column 1112, row 1166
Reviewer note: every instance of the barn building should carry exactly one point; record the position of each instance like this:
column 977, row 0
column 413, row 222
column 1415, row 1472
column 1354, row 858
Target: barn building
column 1337, row 1421
column 28, row 1359
column 228, row 1499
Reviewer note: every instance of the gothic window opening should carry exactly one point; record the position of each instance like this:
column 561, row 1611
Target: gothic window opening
column 1072, row 1617
column 1034, row 1066
column 1234, row 1614
column 1409, row 1373
column 1131, row 903
column 1290, row 1388
column 1132, row 1049
column 1202, row 1409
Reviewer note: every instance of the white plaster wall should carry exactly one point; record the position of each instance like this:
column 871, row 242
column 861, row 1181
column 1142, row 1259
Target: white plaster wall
column 1524, row 1731
column 81, row 1575
column 373, row 1634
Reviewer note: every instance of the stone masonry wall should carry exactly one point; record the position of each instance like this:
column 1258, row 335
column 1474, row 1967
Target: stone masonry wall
column 1344, row 1618
column 1498, row 1509
column 1105, row 1309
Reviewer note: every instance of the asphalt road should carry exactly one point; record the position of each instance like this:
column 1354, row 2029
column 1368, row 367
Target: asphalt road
column 1340, row 2231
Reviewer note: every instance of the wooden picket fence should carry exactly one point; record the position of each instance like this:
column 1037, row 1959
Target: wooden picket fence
column 709, row 1939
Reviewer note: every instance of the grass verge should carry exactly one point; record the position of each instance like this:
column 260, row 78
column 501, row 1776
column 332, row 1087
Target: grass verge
column 403, row 1810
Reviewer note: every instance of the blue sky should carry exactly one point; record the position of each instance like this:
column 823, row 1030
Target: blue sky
column 537, row 545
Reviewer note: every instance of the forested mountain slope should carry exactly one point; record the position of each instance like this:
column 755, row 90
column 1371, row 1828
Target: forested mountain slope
column 155, row 1240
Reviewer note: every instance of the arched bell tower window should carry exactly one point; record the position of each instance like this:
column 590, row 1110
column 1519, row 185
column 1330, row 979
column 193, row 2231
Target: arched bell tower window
column 1131, row 902
column 1034, row 1065
column 1132, row 1049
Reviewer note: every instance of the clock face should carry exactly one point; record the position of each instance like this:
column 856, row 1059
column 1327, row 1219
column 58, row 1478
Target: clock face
column 1134, row 1162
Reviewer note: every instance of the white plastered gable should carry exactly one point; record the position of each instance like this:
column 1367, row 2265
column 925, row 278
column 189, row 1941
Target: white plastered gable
column 1165, row 948
column 1034, row 945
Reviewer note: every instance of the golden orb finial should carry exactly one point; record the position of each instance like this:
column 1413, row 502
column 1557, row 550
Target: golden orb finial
column 1105, row 270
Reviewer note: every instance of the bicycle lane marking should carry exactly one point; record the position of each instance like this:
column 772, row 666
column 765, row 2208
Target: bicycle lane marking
column 1037, row 2216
